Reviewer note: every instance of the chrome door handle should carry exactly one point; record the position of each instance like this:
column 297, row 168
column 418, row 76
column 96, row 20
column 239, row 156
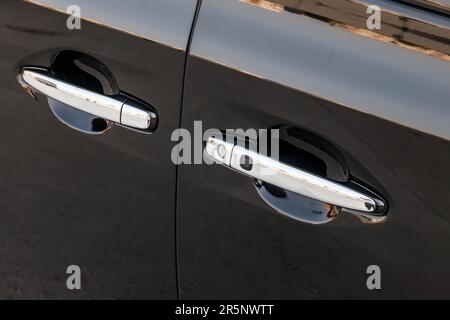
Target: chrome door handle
column 290, row 178
column 119, row 108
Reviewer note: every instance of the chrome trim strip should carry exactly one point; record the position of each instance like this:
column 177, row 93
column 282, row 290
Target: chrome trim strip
column 289, row 178
column 96, row 104
column 135, row 117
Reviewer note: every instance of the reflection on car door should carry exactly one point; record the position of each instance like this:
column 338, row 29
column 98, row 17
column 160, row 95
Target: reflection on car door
column 102, row 202
column 314, row 70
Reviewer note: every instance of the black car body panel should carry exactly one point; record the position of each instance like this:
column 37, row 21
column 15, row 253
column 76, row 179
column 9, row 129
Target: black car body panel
column 378, row 101
column 138, row 226
column 105, row 203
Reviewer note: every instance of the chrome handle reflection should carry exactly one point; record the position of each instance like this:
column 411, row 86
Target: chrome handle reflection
column 284, row 176
column 118, row 109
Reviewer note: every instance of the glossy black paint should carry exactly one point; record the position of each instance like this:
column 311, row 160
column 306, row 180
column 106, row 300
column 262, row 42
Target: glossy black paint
column 105, row 203
column 417, row 32
column 233, row 245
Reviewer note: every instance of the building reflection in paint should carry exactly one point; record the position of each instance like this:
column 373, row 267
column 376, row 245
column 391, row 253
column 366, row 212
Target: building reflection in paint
column 351, row 15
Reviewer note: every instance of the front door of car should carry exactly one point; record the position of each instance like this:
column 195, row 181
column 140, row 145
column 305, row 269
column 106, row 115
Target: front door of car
column 102, row 202
column 351, row 104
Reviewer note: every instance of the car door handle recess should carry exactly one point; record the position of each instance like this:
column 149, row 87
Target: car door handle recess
column 264, row 168
column 119, row 109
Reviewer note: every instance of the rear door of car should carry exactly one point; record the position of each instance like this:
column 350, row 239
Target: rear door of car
column 103, row 203
column 378, row 97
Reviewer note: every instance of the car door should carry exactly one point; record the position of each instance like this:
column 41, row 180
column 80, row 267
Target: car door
column 100, row 201
column 350, row 103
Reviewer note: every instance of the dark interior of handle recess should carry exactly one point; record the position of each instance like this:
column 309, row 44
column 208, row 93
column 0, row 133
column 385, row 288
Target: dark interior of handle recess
column 88, row 73
column 308, row 152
